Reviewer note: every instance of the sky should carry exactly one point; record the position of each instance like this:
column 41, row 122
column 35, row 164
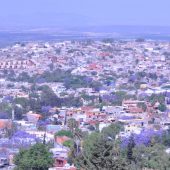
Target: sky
column 71, row 13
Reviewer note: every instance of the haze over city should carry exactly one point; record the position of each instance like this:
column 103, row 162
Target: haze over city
column 71, row 13
column 84, row 85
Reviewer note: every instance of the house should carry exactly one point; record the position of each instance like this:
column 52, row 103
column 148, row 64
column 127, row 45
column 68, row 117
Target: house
column 33, row 117
column 25, row 125
column 5, row 123
column 132, row 128
column 132, row 106
column 53, row 128
column 60, row 155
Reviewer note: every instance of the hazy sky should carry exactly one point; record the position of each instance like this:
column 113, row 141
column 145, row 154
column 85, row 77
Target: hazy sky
column 14, row 13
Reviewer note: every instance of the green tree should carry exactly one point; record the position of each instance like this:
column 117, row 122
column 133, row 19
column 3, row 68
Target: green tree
column 37, row 157
column 35, row 105
column 166, row 138
column 5, row 108
column 156, row 98
column 64, row 133
column 120, row 96
column 24, row 77
column 18, row 112
column 113, row 130
column 162, row 107
column 68, row 143
column 24, row 102
column 99, row 153
column 143, row 106
column 72, row 124
column 131, row 145
column 153, row 157
column 48, row 97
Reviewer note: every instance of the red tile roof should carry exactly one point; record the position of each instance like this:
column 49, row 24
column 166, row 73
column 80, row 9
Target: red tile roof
column 61, row 139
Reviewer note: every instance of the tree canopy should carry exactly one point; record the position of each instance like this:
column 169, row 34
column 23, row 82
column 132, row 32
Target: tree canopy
column 37, row 157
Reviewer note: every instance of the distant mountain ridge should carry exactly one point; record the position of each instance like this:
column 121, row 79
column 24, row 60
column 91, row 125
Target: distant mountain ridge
column 10, row 36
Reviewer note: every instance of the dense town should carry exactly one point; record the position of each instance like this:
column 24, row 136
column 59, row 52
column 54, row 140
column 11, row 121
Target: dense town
column 60, row 93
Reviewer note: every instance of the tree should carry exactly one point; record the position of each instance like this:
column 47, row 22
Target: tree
column 112, row 130
column 143, row 106
column 5, row 110
column 156, row 98
column 64, row 133
column 96, row 85
column 153, row 157
column 24, row 102
column 77, row 133
column 162, row 107
column 166, row 138
column 51, row 66
column 99, row 154
column 119, row 96
column 131, row 145
column 36, row 158
column 11, row 131
column 24, row 77
column 49, row 98
column 68, row 143
column 153, row 76
column 72, row 124
column 18, row 111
